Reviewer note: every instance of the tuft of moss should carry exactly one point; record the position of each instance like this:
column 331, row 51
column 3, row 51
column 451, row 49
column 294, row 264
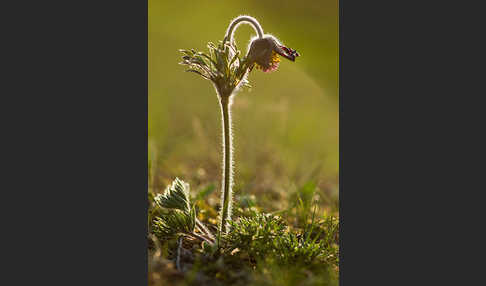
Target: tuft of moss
column 267, row 237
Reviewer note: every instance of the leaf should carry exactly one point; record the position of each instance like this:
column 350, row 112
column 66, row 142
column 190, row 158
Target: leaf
column 209, row 58
column 231, row 46
column 175, row 222
column 185, row 52
column 211, row 46
column 199, row 73
column 176, row 196
column 218, row 65
column 234, row 58
column 199, row 60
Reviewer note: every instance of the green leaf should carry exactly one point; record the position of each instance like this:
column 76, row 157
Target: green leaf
column 198, row 59
column 198, row 72
column 176, row 196
column 174, row 222
column 234, row 58
column 185, row 52
column 209, row 58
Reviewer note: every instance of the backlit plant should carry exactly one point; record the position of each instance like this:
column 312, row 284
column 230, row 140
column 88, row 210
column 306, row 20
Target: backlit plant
column 227, row 69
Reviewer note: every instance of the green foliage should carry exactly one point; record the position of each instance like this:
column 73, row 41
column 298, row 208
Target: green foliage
column 254, row 234
column 172, row 213
column 303, row 200
column 223, row 66
column 259, row 249
column 174, row 222
column 176, row 196
column 267, row 237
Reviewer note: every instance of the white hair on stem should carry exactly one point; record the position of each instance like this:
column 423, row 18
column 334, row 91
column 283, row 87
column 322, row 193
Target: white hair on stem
column 228, row 164
column 229, row 36
column 225, row 101
column 228, row 73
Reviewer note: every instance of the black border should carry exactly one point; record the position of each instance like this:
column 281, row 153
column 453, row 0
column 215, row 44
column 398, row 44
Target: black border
column 75, row 117
column 76, row 108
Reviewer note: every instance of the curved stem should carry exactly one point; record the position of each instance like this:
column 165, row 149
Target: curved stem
column 227, row 179
column 240, row 20
column 204, row 229
column 200, row 237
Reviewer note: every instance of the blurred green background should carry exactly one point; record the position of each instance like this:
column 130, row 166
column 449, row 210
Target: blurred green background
column 285, row 127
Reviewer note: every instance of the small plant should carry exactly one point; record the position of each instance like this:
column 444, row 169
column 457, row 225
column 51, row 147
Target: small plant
column 224, row 67
column 176, row 216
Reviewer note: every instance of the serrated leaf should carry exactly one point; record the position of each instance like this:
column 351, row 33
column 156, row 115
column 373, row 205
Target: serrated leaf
column 176, row 196
column 175, row 222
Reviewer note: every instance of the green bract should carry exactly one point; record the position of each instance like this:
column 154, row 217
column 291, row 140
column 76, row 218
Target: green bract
column 223, row 66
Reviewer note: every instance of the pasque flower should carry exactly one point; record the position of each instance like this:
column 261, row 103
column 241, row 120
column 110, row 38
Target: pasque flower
column 227, row 71
column 224, row 66
column 264, row 53
column 264, row 50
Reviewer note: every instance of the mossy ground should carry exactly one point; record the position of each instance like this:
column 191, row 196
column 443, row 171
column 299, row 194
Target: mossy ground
column 297, row 245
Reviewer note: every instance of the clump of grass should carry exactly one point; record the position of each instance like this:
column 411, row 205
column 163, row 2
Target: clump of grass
column 267, row 237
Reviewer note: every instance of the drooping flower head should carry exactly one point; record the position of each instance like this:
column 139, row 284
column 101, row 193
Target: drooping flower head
column 264, row 53
column 264, row 50
column 224, row 65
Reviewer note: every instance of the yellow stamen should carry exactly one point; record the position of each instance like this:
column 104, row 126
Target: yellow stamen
column 275, row 57
column 273, row 60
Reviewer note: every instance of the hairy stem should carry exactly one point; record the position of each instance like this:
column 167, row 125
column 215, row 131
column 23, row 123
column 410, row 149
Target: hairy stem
column 200, row 237
column 240, row 20
column 226, row 198
column 204, row 229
